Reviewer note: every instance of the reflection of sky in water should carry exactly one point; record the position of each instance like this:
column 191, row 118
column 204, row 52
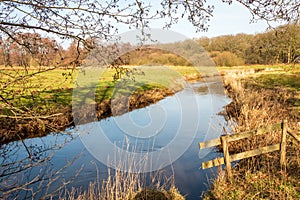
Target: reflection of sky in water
column 151, row 128
column 166, row 113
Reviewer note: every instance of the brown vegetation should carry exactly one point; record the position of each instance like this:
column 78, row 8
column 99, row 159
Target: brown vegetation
column 31, row 50
column 259, row 177
column 129, row 184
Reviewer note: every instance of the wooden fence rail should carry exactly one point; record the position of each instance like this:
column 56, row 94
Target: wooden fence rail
column 225, row 140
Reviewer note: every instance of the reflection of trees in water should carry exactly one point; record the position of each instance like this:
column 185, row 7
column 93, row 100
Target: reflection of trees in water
column 201, row 90
column 215, row 87
column 26, row 170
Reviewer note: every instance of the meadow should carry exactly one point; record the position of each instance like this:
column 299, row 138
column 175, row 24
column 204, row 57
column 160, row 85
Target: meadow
column 54, row 87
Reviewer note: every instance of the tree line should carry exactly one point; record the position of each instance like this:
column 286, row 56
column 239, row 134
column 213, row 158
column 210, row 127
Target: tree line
column 33, row 50
column 279, row 45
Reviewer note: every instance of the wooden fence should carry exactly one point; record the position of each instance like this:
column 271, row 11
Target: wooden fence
column 225, row 140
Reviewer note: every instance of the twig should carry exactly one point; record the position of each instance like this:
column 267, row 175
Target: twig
column 31, row 117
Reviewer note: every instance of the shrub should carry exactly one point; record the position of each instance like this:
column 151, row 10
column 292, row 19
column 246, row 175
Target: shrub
column 226, row 58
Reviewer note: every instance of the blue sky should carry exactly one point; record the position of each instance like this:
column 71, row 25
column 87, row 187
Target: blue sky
column 227, row 19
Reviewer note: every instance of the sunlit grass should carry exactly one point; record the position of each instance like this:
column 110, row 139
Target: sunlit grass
column 288, row 81
column 53, row 89
column 261, row 67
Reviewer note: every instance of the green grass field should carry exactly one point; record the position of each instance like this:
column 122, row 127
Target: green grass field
column 261, row 67
column 53, row 89
column 268, row 77
column 288, row 81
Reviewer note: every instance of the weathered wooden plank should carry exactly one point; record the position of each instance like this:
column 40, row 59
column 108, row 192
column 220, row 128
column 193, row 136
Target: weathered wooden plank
column 294, row 135
column 283, row 144
column 238, row 136
column 225, row 139
column 256, row 132
column 239, row 156
column 255, row 152
column 226, row 156
column 210, row 143
column 213, row 163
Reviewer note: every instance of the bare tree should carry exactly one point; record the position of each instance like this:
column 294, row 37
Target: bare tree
column 77, row 19
column 272, row 10
column 80, row 19
column 86, row 21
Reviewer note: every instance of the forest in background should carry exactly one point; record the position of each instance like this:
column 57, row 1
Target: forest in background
column 280, row 45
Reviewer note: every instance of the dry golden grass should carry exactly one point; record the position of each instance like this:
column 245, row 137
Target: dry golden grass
column 129, row 184
column 259, row 177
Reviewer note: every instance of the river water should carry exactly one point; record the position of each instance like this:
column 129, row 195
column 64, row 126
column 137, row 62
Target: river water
column 38, row 166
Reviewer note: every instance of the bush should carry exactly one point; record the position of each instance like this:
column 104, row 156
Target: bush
column 226, row 58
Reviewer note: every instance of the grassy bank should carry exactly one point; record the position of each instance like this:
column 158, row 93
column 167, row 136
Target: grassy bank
column 258, row 99
column 34, row 104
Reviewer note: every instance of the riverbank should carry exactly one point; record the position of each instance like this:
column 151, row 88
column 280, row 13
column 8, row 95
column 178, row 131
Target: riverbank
column 41, row 104
column 14, row 128
column 260, row 98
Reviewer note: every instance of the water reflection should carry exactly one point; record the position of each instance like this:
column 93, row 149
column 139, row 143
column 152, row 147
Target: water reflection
column 27, row 171
column 38, row 167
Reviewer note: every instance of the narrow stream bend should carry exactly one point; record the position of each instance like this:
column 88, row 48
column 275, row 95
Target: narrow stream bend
column 37, row 166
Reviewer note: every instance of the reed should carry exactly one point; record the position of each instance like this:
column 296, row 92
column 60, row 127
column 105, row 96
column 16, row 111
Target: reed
column 259, row 177
column 131, row 184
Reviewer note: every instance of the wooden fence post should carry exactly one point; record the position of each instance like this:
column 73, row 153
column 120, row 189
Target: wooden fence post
column 226, row 156
column 283, row 144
